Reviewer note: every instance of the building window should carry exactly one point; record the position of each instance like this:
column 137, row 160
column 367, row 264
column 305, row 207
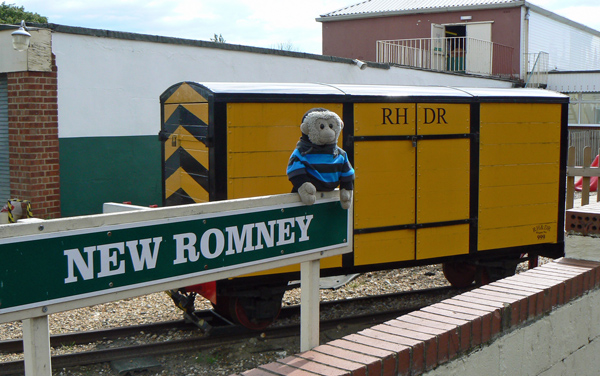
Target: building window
column 584, row 123
column 584, row 108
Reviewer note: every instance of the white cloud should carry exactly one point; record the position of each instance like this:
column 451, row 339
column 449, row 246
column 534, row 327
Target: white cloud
column 586, row 12
column 587, row 15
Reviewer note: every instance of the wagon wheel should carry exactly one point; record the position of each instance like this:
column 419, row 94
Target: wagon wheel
column 243, row 312
column 459, row 274
column 255, row 313
column 489, row 274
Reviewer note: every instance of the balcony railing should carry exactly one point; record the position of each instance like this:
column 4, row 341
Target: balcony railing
column 537, row 69
column 456, row 54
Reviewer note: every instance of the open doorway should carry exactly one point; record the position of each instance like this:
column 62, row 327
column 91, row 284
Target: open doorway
column 463, row 47
column 456, row 47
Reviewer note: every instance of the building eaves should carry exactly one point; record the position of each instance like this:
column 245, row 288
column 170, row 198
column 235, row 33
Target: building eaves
column 383, row 8
column 196, row 43
column 561, row 19
column 387, row 8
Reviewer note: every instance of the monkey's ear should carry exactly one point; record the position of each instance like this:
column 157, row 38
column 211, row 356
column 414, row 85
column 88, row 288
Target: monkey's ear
column 305, row 128
column 341, row 124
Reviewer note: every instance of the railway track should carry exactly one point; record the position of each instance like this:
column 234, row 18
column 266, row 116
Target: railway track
column 223, row 333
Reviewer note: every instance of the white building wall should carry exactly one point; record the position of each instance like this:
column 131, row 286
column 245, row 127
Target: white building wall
column 574, row 82
column 103, row 81
column 570, row 48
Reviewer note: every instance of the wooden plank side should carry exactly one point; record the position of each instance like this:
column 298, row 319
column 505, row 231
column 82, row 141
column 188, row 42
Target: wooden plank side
column 272, row 114
column 443, row 180
column 518, row 195
column 518, row 133
column 263, row 138
column 260, row 139
column 446, row 118
column 382, row 247
column 495, row 238
column 521, row 174
column 442, row 241
column 384, row 119
column 516, row 154
column 520, row 113
column 384, row 192
column 519, row 166
column 509, row 216
column 253, row 187
column 258, row 164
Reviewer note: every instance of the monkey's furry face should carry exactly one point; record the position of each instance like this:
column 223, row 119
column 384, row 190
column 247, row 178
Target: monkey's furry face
column 322, row 127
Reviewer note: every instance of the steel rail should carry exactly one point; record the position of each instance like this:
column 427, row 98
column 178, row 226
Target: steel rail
column 219, row 336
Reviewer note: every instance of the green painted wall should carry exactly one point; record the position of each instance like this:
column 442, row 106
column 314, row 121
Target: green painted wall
column 95, row 170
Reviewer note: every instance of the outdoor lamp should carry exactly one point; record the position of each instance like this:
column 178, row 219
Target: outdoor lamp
column 360, row 64
column 21, row 38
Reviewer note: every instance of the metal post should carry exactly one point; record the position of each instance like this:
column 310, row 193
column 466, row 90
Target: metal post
column 309, row 308
column 36, row 346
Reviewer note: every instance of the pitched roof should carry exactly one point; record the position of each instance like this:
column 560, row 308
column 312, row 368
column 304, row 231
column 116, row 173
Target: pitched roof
column 371, row 8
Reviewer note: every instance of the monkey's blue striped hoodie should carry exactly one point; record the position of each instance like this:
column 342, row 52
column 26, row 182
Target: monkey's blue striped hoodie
column 325, row 166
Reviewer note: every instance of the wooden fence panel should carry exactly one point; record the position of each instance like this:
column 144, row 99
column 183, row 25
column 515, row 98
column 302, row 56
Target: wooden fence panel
column 586, row 172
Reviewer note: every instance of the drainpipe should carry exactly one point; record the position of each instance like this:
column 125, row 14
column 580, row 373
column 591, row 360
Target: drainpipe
column 525, row 43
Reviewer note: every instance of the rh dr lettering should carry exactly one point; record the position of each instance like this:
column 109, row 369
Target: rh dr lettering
column 434, row 115
column 395, row 115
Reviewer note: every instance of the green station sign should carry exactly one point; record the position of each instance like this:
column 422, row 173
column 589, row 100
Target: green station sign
column 37, row 270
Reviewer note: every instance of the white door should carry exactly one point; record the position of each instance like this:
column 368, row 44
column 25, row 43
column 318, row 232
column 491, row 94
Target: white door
column 438, row 47
column 479, row 48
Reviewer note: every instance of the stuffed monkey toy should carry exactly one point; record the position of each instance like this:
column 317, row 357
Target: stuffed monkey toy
column 317, row 163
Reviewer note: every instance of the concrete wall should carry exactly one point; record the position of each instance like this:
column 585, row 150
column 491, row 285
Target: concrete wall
column 565, row 342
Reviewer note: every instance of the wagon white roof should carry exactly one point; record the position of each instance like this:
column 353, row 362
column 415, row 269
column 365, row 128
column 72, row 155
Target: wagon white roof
column 343, row 91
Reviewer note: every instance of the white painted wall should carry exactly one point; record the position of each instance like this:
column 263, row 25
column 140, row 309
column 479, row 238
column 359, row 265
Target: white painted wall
column 111, row 87
column 574, row 82
column 565, row 342
column 570, row 48
column 11, row 60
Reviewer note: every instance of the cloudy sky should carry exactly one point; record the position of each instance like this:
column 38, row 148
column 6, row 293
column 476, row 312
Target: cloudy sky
column 261, row 23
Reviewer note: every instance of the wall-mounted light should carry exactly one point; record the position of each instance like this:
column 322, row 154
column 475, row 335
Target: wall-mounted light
column 466, row 18
column 361, row 64
column 20, row 38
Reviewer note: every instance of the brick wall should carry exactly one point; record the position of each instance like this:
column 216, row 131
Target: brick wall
column 33, row 140
column 418, row 342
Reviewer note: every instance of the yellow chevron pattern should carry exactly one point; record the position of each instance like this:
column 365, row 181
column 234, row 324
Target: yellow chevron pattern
column 182, row 180
column 186, row 94
column 186, row 156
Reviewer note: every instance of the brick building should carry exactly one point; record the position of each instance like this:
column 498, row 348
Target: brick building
column 511, row 38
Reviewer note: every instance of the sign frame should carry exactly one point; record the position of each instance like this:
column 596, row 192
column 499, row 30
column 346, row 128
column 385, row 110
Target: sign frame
column 106, row 222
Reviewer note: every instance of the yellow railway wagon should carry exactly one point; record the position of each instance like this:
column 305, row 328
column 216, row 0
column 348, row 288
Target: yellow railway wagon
column 473, row 178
